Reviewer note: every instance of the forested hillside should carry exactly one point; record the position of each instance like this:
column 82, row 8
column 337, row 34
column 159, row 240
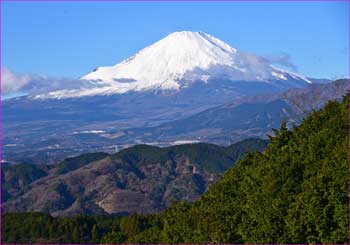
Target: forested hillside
column 293, row 192
column 140, row 179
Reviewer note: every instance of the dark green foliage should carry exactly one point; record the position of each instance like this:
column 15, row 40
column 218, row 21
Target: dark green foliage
column 25, row 227
column 211, row 157
column 142, row 155
column 23, row 173
column 214, row 158
column 113, row 238
column 42, row 228
column 95, row 237
column 16, row 177
column 293, row 192
column 73, row 163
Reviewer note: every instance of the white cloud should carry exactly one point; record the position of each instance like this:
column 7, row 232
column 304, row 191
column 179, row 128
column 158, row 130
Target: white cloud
column 12, row 83
column 283, row 59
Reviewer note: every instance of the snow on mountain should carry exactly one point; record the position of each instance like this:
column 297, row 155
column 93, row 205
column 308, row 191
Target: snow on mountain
column 167, row 61
column 175, row 62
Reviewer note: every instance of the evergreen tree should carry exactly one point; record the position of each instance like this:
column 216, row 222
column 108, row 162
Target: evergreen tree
column 94, row 234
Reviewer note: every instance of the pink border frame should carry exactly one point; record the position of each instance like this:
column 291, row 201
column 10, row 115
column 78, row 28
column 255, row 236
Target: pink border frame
column 1, row 1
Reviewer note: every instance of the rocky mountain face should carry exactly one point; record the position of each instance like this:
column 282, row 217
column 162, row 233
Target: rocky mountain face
column 140, row 179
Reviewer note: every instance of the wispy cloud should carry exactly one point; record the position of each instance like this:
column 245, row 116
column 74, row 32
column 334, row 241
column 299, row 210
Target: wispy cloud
column 12, row 82
column 261, row 66
column 283, row 59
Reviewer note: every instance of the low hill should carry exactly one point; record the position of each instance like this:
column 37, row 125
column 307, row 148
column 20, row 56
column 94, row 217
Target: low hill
column 139, row 179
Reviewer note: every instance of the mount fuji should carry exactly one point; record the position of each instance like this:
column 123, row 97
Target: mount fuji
column 179, row 76
column 177, row 62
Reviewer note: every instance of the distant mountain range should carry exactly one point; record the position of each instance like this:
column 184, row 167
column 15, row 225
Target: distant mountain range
column 140, row 179
column 75, row 131
column 189, row 86
column 252, row 116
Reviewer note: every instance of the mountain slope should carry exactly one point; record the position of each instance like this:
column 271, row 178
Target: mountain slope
column 293, row 192
column 176, row 62
column 142, row 179
column 252, row 116
column 52, row 130
column 177, row 77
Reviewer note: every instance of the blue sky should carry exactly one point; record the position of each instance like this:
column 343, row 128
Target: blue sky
column 69, row 39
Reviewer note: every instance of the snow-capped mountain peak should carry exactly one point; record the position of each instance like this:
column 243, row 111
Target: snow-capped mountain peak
column 166, row 62
column 177, row 61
